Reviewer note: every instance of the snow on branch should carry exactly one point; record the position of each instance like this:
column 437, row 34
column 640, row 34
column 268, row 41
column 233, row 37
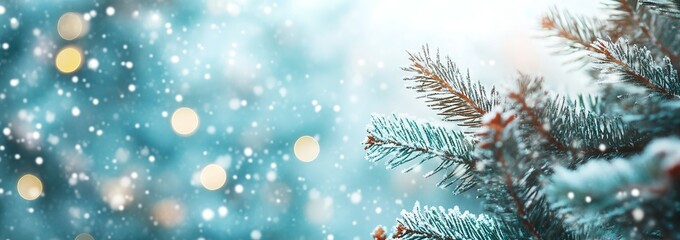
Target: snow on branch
column 634, row 20
column 450, row 224
column 636, row 65
column 402, row 141
column 670, row 8
column 622, row 191
column 578, row 126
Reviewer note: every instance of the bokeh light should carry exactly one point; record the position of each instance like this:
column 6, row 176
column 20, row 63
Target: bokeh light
column 184, row 121
column 69, row 59
column 29, row 187
column 306, row 149
column 84, row 236
column 213, row 177
column 71, row 26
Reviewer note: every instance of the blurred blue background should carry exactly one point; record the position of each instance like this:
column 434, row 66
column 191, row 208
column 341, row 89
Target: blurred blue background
column 259, row 74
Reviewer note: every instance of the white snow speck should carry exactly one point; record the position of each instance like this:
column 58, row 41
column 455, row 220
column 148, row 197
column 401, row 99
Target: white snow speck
column 208, row 214
column 223, row 211
column 355, row 197
column 174, row 59
column 13, row 23
column 93, row 64
column 638, row 214
column 256, row 234
column 635, row 192
column 238, row 188
column 75, row 111
column 248, row 152
column 110, row 11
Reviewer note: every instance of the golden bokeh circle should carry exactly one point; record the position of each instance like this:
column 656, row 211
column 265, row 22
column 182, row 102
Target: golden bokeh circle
column 69, row 59
column 29, row 187
column 306, row 149
column 213, row 177
column 184, row 121
column 84, row 236
column 71, row 26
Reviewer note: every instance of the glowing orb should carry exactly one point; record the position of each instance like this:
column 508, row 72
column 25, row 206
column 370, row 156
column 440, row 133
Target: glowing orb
column 71, row 26
column 306, row 149
column 29, row 187
column 69, row 59
column 184, row 121
column 213, row 177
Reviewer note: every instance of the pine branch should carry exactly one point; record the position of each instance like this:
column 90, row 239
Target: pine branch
column 449, row 224
column 578, row 32
column 512, row 173
column 403, row 140
column 496, row 125
column 670, row 8
column 637, row 66
column 579, row 127
column 527, row 98
column 622, row 192
column 632, row 20
column 449, row 92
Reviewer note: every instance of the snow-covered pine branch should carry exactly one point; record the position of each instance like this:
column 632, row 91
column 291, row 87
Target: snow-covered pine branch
column 402, row 141
column 450, row 224
column 636, row 65
column 623, row 194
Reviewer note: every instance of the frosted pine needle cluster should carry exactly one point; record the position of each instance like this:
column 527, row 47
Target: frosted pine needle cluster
column 605, row 166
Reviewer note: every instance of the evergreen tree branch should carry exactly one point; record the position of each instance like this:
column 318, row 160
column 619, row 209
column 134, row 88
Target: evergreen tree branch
column 622, row 192
column 448, row 91
column 630, row 16
column 404, row 140
column 651, row 114
column 637, row 66
column 670, row 8
column 496, row 125
column 578, row 32
column 579, row 127
column 449, row 224
column 528, row 87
